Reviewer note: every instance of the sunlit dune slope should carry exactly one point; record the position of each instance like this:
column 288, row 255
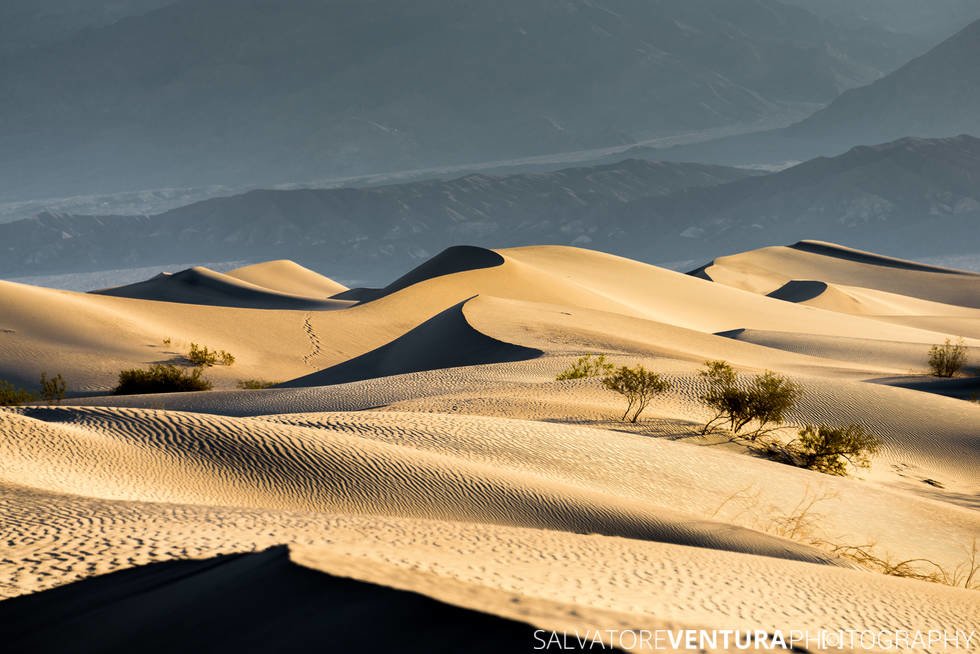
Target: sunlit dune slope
column 201, row 285
column 89, row 338
column 287, row 276
column 767, row 269
column 173, row 457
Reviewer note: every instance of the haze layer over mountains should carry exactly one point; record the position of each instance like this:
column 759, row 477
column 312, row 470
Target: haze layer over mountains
column 911, row 197
column 257, row 91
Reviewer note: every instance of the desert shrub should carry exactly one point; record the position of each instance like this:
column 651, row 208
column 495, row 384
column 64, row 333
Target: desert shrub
column 965, row 574
column 10, row 395
column 160, row 378
column 255, row 384
column 587, row 366
column 201, row 355
column 946, row 360
column 638, row 385
column 829, row 449
column 53, row 389
column 765, row 400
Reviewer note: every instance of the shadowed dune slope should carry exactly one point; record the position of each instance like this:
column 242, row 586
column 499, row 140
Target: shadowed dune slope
column 452, row 260
column 246, row 603
column 285, row 276
column 201, row 285
column 768, row 269
column 447, row 340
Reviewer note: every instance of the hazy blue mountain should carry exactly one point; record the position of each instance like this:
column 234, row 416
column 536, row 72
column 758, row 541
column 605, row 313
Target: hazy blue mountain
column 365, row 233
column 32, row 23
column 240, row 92
column 911, row 197
column 937, row 94
column 935, row 19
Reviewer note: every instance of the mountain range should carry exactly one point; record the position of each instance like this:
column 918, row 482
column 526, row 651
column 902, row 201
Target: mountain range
column 245, row 92
column 369, row 232
column 936, row 19
column 911, row 196
column 934, row 95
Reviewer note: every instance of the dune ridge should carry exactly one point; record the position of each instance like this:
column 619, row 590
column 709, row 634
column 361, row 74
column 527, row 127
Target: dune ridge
column 288, row 277
column 200, row 285
column 767, row 269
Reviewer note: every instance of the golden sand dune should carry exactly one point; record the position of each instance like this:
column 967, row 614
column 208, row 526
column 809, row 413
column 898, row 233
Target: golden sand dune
column 552, row 579
column 286, row 276
column 933, row 434
column 147, row 456
column 766, row 270
column 250, row 288
column 423, row 348
column 106, row 333
column 421, row 440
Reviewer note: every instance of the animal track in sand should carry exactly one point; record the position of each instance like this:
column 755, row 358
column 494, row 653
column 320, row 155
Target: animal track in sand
column 309, row 358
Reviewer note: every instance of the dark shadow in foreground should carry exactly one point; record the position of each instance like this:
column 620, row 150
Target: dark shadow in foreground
column 246, row 603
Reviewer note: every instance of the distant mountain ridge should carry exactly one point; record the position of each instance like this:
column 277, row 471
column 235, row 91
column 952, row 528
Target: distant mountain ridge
column 934, row 95
column 909, row 197
column 937, row 94
column 35, row 23
column 246, row 92
column 384, row 227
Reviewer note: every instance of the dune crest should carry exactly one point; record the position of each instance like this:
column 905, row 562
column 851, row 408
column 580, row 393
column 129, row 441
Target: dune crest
column 288, row 277
column 767, row 269
column 200, row 285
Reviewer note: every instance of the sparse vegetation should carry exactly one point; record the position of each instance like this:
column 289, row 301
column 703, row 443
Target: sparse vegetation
column 160, row 378
column 10, row 395
column 830, row 449
column 947, row 359
column 587, row 366
column 53, row 389
column 201, row 355
column 167, row 341
column 255, row 384
column 638, row 385
column 803, row 522
column 765, row 400
column 964, row 575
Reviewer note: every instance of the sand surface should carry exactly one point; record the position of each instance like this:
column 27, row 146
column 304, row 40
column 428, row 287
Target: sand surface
column 419, row 441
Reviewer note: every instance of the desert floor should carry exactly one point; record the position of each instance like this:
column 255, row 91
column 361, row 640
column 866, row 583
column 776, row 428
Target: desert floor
column 418, row 440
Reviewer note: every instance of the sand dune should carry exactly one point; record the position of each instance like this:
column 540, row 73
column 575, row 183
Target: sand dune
column 423, row 348
column 766, row 270
column 554, row 580
column 420, row 441
column 201, row 285
column 453, row 260
column 137, row 455
column 107, row 334
column 288, row 277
